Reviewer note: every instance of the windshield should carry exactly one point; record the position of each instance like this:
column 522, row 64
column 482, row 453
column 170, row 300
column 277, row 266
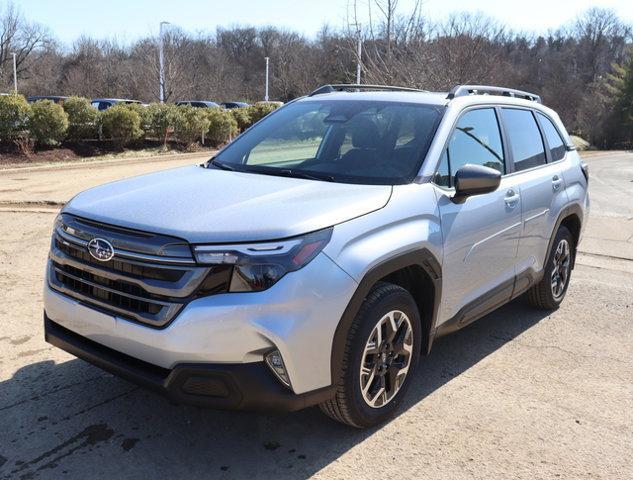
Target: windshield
column 348, row 141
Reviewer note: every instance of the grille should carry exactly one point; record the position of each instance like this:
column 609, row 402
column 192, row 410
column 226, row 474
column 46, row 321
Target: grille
column 84, row 283
column 141, row 284
column 135, row 270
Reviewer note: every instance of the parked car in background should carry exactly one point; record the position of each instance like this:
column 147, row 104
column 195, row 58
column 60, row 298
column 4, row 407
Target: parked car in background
column 197, row 103
column 53, row 98
column 229, row 105
column 105, row 103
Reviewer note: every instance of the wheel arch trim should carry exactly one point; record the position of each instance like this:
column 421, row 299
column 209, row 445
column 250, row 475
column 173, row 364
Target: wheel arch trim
column 569, row 211
column 419, row 257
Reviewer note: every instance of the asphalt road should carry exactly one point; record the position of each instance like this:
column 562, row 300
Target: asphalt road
column 612, row 183
column 519, row 394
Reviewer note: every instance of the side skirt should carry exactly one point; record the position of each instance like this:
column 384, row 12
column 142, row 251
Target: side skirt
column 489, row 302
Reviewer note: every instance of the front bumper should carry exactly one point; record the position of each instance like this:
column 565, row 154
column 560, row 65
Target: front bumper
column 246, row 386
column 298, row 316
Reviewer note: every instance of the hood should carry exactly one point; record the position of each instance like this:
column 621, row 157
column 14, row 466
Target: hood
column 204, row 205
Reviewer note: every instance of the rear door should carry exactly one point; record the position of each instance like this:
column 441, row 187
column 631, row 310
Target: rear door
column 538, row 169
column 481, row 234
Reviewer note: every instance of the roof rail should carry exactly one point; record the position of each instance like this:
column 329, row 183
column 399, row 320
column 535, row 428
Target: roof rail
column 464, row 90
column 341, row 87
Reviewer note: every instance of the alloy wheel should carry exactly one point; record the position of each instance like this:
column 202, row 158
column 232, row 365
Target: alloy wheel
column 386, row 359
column 560, row 272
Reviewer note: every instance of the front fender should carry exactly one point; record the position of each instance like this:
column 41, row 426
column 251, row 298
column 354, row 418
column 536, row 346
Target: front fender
column 404, row 233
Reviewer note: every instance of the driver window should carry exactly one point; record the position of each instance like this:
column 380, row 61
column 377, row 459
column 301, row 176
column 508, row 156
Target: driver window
column 476, row 141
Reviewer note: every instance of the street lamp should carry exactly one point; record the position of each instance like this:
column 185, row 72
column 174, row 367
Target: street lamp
column 266, row 92
column 359, row 50
column 15, row 74
column 161, row 61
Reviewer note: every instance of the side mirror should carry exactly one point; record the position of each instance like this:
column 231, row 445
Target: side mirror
column 475, row 180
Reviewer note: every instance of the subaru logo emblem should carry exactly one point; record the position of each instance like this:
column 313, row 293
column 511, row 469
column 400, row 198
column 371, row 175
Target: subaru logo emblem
column 101, row 249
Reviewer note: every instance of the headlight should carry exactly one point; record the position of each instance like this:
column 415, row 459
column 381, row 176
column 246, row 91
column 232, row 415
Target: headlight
column 258, row 266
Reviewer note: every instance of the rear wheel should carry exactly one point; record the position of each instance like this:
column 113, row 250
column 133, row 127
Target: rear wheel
column 381, row 353
column 551, row 290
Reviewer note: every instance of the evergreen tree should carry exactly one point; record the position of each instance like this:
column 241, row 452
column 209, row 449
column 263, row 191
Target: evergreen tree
column 620, row 84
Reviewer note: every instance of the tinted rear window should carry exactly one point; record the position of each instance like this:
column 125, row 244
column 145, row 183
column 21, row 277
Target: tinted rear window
column 525, row 142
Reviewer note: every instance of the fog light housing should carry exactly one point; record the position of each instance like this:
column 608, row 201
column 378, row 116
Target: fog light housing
column 276, row 363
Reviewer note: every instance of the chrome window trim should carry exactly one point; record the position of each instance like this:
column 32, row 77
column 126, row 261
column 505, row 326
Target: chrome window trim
column 507, row 174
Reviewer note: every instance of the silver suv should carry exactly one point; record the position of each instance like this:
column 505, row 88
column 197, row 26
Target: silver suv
column 321, row 253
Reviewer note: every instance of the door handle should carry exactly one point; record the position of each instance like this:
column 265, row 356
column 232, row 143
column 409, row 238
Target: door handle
column 511, row 198
column 557, row 182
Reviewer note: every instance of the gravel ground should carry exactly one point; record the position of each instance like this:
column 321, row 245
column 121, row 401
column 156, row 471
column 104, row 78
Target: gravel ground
column 519, row 394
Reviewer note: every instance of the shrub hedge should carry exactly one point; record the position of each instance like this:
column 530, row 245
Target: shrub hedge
column 121, row 124
column 190, row 124
column 47, row 123
column 261, row 109
column 160, row 118
column 243, row 117
column 222, row 126
column 14, row 117
column 82, row 119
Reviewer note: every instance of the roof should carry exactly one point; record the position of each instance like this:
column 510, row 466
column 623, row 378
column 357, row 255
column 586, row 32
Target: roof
column 459, row 95
column 115, row 100
column 428, row 98
column 46, row 96
column 198, row 101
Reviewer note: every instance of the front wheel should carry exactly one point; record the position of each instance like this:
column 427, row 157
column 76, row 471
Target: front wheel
column 381, row 353
column 550, row 291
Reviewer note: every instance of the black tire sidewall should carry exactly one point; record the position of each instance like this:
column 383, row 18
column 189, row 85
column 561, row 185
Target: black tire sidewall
column 398, row 299
column 562, row 233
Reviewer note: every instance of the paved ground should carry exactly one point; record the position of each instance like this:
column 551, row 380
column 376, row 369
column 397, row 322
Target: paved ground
column 519, row 394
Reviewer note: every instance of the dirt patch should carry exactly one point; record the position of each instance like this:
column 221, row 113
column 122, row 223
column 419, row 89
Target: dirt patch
column 43, row 156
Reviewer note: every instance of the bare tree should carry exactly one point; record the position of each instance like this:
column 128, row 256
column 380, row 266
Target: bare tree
column 568, row 66
column 20, row 37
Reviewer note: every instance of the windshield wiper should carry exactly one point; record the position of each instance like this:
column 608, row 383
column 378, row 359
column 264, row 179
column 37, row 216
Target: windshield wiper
column 221, row 165
column 286, row 172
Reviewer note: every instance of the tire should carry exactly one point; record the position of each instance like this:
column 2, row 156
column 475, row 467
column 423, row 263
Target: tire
column 544, row 295
column 386, row 304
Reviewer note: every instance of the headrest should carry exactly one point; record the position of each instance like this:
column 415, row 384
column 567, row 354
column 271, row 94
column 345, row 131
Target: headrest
column 365, row 133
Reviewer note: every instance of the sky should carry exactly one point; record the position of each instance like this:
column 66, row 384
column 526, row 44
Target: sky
column 132, row 19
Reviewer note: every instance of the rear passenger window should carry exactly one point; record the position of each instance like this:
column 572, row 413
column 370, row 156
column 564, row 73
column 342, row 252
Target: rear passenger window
column 525, row 141
column 476, row 141
column 556, row 145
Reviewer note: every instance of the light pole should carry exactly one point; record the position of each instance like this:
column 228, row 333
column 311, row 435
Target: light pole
column 161, row 61
column 15, row 74
column 266, row 92
column 359, row 52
